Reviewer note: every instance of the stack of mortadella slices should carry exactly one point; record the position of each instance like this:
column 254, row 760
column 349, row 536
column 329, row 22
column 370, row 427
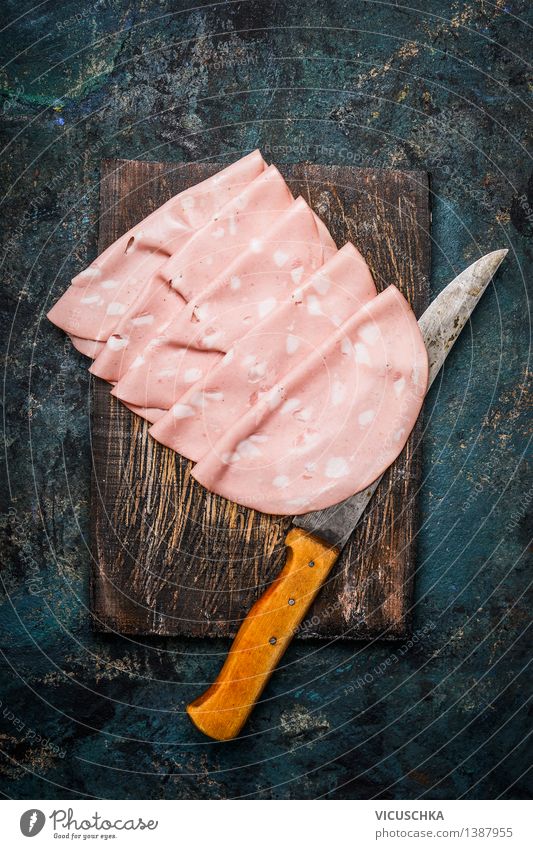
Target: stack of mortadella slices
column 229, row 320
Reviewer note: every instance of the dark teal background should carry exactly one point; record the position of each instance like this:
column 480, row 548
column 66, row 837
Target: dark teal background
column 436, row 85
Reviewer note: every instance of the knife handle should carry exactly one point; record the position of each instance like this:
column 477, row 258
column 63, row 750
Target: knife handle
column 263, row 637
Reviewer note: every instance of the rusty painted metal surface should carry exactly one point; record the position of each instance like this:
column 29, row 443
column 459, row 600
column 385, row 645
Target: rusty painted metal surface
column 440, row 88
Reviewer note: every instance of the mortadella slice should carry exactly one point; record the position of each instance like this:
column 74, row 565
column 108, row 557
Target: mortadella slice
column 151, row 414
column 87, row 347
column 258, row 360
column 292, row 248
column 192, row 268
column 333, row 424
column 264, row 278
column 240, row 225
column 99, row 295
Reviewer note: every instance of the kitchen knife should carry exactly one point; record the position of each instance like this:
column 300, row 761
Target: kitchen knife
column 315, row 542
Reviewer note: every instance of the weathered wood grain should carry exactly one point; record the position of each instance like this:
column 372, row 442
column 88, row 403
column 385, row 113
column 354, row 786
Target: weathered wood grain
column 170, row 557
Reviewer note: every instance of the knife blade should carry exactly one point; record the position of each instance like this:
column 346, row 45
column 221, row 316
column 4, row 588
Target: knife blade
column 316, row 540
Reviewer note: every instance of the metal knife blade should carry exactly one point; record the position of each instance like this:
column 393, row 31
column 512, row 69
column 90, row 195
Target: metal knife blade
column 440, row 325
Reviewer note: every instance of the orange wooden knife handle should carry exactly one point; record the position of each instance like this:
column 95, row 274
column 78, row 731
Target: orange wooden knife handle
column 263, row 637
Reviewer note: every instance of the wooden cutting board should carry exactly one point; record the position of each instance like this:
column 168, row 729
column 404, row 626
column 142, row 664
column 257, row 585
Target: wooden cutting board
column 170, row 558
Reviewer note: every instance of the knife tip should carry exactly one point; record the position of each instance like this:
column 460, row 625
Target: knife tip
column 489, row 263
column 498, row 256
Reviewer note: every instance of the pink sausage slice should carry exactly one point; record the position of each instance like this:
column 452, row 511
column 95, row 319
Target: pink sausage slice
column 87, row 347
column 191, row 269
column 257, row 361
column 292, row 248
column 151, row 414
column 333, row 424
column 239, row 226
column 265, row 277
column 99, row 295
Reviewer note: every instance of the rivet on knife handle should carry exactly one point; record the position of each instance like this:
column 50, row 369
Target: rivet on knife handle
column 263, row 637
